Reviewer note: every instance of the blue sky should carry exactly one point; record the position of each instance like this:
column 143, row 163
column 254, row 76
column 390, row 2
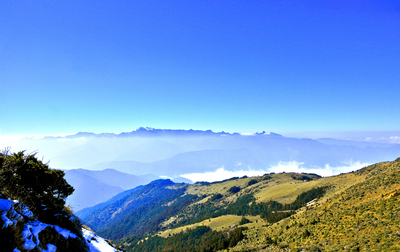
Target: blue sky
column 237, row 66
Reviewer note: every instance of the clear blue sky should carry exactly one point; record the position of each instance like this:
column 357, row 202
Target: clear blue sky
column 244, row 66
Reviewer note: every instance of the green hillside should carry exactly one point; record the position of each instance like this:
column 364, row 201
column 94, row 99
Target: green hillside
column 353, row 211
column 363, row 217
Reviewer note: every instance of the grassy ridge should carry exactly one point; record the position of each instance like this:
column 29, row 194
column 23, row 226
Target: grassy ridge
column 218, row 224
column 362, row 217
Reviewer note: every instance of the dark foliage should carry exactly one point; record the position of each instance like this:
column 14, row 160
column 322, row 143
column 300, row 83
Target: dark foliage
column 306, row 233
column 216, row 197
column 273, row 217
column 244, row 220
column 301, row 177
column 266, row 177
column 312, row 174
column 305, row 197
column 202, row 183
column 35, row 185
column 10, row 236
column 201, row 239
column 252, row 182
column 234, row 189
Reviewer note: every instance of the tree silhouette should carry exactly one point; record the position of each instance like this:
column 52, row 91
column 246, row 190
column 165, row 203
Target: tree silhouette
column 33, row 184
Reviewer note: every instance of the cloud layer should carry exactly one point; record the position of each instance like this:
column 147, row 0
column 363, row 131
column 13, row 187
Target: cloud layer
column 221, row 174
column 292, row 166
column 391, row 139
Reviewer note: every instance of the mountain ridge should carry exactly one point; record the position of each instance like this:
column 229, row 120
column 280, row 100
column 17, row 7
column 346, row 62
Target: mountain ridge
column 266, row 205
column 146, row 131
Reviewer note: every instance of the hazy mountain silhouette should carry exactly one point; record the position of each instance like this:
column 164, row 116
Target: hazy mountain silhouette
column 165, row 152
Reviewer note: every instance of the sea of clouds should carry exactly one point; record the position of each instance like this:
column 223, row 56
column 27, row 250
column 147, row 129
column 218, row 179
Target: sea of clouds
column 291, row 166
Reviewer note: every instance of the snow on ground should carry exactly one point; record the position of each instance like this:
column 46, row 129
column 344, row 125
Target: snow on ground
column 5, row 204
column 6, row 220
column 96, row 243
column 50, row 248
column 8, row 214
column 30, row 233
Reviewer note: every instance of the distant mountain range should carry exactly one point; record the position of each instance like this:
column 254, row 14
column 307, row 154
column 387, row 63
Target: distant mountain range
column 150, row 132
column 171, row 153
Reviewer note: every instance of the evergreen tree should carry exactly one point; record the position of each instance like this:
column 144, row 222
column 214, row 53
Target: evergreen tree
column 34, row 184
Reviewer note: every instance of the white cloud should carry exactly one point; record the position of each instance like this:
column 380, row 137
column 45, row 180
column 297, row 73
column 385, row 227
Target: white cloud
column 72, row 139
column 247, row 134
column 391, row 139
column 165, row 177
column 394, row 139
column 328, row 170
column 291, row 166
column 221, row 174
column 7, row 141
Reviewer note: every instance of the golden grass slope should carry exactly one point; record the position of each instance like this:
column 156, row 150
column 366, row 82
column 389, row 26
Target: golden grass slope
column 221, row 223
column 361, row 213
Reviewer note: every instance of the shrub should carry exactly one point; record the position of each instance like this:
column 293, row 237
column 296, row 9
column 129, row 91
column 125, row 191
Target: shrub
column 252, row 182
column 269, row 240
column 314, row 248
column 306, row 233
column 302, row 177
column 244, row 220
column 216, row 197
column 35, row 185
column 234, row 189
column 266, row 177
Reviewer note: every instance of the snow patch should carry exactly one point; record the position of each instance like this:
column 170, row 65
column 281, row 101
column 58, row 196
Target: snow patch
column 31, row 234
column 5, row 204
column 64, row 232
column 6, row 220
column 26, row 212
column 96, row 243
column 50, row 248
